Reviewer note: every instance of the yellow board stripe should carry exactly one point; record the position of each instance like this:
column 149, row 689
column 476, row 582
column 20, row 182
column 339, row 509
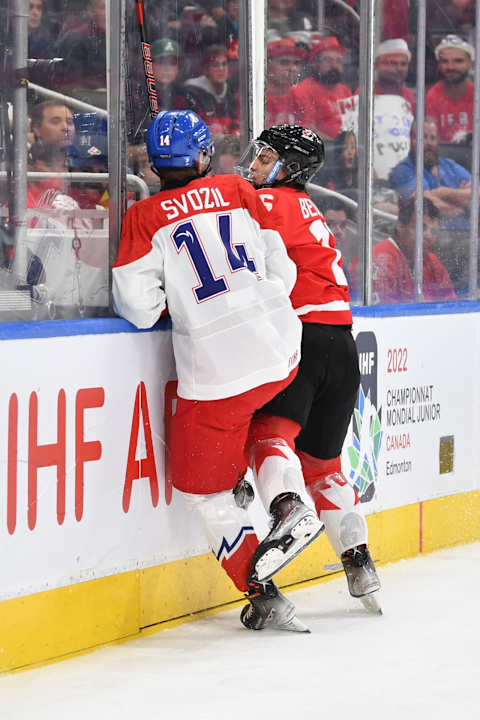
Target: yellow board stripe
column 50, row 625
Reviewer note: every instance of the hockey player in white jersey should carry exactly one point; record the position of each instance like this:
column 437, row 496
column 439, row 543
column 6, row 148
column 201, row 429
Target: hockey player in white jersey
column 198, row 246
column 304, row 427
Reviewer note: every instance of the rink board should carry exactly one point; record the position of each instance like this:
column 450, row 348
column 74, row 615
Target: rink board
column 97, row 546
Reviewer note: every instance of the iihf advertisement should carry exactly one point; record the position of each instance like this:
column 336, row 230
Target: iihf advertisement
column 409, row 438
column 83, row 492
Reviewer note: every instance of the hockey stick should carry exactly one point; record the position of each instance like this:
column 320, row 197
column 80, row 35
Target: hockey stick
column 147, row 60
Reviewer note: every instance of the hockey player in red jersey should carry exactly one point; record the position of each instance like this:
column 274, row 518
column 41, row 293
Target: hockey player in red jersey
column 306, row 424
column 197, row 245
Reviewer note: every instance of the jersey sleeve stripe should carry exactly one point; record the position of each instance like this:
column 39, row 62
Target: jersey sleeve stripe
column 337, row 305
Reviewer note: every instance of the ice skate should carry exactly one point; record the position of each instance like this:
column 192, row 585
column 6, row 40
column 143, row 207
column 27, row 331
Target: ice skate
column 362, row 578
column 267, row 607
column 295, row 526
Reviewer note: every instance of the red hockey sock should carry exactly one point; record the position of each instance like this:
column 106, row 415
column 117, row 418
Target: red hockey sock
column 237, row 561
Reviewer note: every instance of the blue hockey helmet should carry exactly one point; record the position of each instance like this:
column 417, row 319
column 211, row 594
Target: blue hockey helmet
column 89, row 149
column 177, row 138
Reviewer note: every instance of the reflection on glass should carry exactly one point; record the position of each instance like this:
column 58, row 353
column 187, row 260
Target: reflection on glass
column 55, row 261
column 393, row 260
column 195, row 60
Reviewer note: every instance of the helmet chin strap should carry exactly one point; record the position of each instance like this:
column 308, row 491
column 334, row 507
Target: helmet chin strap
column 204, row 164
column 273, row 173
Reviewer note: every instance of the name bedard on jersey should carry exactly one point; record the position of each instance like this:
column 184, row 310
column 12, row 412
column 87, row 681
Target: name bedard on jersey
column 321, row 292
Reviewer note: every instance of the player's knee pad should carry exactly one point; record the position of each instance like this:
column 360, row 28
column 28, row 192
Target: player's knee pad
column 337, row 506
column 229, row 530
column 276, row 469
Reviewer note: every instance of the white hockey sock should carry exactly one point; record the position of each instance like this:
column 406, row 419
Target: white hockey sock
column 229, row 531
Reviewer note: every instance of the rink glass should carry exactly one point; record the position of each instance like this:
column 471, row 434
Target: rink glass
column 59, row 229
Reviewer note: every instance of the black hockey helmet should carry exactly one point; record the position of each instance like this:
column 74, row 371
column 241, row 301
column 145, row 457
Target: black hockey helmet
column 300, row 149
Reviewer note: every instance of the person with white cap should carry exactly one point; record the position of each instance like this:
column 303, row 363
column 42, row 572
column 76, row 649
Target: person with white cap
column 450, row 101
column 392, row 59
column 394, row 106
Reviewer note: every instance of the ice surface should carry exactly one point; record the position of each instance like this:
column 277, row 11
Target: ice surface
column 421, row 659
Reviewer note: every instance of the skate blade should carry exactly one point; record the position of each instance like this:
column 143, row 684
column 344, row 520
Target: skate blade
column 371, row 603
column 294, row 625
column 274, row 560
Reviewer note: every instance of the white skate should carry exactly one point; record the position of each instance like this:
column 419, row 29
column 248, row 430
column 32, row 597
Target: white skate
column 295, row 525
column 362, row 578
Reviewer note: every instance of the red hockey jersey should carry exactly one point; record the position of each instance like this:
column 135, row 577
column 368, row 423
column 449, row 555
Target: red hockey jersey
column 321, row 292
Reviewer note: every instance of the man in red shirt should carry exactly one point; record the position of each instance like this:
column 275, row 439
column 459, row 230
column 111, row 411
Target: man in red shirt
column 317, row 95
column 392, row 59
column 284, row 66
column 393, row 260
column 450, row 101
column 304, row 427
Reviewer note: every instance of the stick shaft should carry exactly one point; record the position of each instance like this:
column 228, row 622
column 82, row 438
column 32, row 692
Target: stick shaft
column 147, row 61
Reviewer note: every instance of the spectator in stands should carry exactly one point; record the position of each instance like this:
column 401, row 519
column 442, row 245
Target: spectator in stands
column 445, row 182
column 450, row 101
column 52, row 122
column 84, row 53
column 392, row 59
column 393, row 260
column 48, row 157
column 285, row 16
column 225, row 15
column 317, row 95
column 165, row 55
column 40, row 44
column 335, row 212
column 197, row 30
column 341, row 173
column 76, row 273
column 394, row 106
column 227, row 153
column 212, row 95
column 284, row 67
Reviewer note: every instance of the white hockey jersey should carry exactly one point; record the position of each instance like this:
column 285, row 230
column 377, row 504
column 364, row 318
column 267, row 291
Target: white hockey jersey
column 227, row 282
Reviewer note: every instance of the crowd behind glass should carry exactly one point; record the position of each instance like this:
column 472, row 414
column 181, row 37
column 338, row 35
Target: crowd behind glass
column 312, row 49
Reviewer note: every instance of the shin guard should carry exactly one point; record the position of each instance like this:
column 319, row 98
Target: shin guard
column 337, row 506
column 229, row 531
column 272, row 457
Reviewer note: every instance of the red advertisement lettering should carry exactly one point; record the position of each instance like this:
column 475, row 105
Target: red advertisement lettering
column 46, row 456
column 85, row 451
column 144, row 468
column 12, row 464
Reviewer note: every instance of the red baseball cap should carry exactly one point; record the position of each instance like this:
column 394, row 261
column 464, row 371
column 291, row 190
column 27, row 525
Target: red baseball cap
column 287, row 46
column 326, row 43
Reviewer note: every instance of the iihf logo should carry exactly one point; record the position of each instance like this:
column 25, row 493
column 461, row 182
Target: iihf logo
column 366, row 422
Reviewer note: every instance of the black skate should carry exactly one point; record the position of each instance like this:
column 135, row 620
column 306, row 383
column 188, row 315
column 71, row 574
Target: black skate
column 267, row 607
column 295, row 525
column 362, row 578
